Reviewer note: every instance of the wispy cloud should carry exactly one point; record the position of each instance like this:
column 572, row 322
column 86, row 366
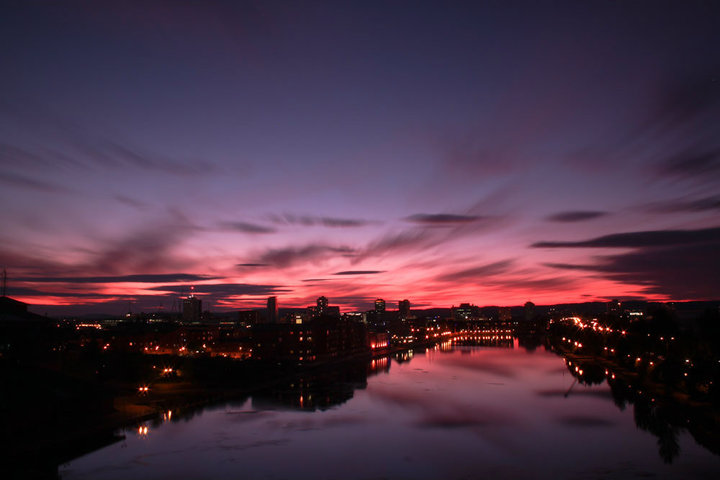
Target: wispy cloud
column 20, row 181
column 245, row 227
column 11, row 155
column 150, row 248
column 656, row 238
column 359, row 272
column 684, row 271
column 676, row 263
column 702, row 204
column 680, row 117
column 441, row 218
column 84, row 295
column 285, row 257
column 312, row 220
column 115, row 155
column 479, row 272
column 132, row 202
column 576, row 216
column 403, row 241
column 142, row 278
column 226, row 289
column 569, row 266
column 692, row 164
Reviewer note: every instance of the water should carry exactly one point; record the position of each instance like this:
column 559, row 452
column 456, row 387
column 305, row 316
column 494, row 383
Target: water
column 462, row 412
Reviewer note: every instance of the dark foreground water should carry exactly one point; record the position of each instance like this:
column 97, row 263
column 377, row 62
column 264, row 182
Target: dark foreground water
column 460, row 412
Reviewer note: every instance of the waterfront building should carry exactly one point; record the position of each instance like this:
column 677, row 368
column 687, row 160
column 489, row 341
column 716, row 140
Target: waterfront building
column 320, row 339
column 378, row 340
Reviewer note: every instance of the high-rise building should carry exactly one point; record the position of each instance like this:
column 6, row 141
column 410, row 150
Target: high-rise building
column 529, row 311
column 192, row 308
column 297, row 318
column 379, row 305
column 404, row 308
column 272, row 310
column 322, row 306
column 465, row 312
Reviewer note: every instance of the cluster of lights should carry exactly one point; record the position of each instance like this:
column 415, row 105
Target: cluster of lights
column 609, row 374
column 593, row 324
column 379, row 363
column 96, row 326
column 638, row 360
column 572, row 342
column 484, row 337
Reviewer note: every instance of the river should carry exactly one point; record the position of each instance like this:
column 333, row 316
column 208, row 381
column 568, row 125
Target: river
column 450, row 412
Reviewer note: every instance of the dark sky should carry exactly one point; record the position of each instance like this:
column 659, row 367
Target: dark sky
column 490, row 152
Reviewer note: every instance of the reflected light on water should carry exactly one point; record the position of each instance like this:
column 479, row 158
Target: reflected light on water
column 443, row 413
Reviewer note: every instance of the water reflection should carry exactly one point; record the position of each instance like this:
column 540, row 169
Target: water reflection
column 462, row 407
column 655, row 409
column 668, row 383
column 322, row 388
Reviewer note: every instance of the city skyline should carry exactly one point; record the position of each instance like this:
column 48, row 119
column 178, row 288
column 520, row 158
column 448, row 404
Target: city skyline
column 492, row 153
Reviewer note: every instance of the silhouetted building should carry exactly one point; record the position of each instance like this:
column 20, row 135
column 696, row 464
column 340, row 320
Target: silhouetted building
column 378, row 340
column 298, row 318
column 355, row 316
column 529, row 311
column 322, row 305
column 465, row 312
column 404, row 308
column 192, row 308
column 504, row 314
column 318, row 340
column 272, row 310
column 379, row 305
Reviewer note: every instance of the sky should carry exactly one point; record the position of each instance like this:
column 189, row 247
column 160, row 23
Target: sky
column 490, row 152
